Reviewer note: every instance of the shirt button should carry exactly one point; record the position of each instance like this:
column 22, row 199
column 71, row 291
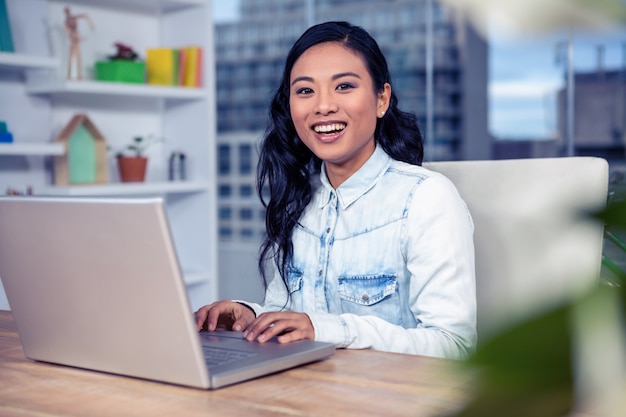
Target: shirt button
column 328, row 230
column 320, row 272
column 365, row 297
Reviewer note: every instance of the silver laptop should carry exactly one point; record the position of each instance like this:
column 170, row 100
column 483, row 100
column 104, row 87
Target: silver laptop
column 96, row 284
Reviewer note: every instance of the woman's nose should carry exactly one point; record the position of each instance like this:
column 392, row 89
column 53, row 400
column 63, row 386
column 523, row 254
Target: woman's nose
column 325, row 104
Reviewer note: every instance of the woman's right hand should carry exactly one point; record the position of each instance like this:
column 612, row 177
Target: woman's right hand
column 224, row 314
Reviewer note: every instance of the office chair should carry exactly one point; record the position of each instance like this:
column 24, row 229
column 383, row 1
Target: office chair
column 535, row 247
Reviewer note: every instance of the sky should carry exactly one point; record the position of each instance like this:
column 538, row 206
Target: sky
column 225, row 10
column 524, row 75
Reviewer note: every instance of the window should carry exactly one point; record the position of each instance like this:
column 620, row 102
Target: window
column 245, row 214
column 246, row 232
column 245, row 190
column 245, row 159
column 226, row 232
column 225, row 213
column 225, row 190
column 223, row 156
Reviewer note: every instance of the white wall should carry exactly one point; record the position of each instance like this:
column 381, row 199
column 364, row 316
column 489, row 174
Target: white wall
column 239, row 276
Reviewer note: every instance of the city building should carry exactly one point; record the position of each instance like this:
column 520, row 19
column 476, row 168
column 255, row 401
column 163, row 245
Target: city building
column 249, row 58
column 598, row 122
column 599, row 113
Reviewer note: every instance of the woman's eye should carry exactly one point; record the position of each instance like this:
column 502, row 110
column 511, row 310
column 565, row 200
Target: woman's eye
column 304, row 90
column 344, row 86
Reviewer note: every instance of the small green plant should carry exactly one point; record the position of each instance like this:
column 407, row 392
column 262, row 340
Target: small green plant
column 139, row 145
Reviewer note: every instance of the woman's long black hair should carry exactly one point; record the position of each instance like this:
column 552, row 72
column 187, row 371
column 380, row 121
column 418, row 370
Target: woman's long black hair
column 286, row 164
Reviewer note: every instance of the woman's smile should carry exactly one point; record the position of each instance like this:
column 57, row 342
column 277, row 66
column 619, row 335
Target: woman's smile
column 329, row 132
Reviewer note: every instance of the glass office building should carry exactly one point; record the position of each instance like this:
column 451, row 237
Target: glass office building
column 437, row 61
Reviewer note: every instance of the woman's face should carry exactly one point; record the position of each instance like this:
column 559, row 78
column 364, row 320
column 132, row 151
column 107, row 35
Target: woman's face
column 334, row 107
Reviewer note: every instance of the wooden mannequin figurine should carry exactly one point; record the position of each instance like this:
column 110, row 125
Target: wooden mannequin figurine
column 71, row 27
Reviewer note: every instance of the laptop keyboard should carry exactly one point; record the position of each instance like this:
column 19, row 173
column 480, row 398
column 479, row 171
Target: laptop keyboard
column 219, row 356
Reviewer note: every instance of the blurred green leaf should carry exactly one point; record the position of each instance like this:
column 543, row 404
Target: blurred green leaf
column 614, row 216
column 540, row 16
column 526, row 370
column 613, row 9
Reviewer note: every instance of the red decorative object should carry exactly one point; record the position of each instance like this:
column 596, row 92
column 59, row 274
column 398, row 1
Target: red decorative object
column 132, row 168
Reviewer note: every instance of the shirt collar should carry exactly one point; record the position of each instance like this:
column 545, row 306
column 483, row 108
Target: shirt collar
column 359, row 183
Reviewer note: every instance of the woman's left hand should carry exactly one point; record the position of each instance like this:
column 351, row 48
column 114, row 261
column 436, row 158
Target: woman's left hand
column 289, row 326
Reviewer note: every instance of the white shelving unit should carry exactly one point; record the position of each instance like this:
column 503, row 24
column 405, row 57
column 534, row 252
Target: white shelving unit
column 31, row 149
column 101, row 88
column 126, row 189
column 22, row 61
column 37, row 101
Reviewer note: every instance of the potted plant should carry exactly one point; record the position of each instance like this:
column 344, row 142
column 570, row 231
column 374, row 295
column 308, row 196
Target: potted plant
column 132, row 162
column 124, row 66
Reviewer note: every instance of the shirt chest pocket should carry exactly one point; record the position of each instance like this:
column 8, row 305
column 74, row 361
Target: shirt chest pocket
column 371, row 295
column 367, row 290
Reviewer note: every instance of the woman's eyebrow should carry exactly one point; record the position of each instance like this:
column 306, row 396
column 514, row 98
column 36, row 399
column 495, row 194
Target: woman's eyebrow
column 295, row 80
column 334, row 77
column 346, row 74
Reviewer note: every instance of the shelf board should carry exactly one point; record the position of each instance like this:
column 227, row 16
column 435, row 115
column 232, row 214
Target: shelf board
column 59, row 87
column 149, row 5
column 32, row 149
column 124, row 189
column 23, row 61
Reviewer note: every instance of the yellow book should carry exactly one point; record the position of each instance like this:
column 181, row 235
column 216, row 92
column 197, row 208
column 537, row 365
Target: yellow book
column 199, row 68
column 160, row 66
column 191, row 67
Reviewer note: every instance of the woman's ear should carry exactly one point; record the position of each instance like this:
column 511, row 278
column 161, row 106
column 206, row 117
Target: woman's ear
column 383, row 100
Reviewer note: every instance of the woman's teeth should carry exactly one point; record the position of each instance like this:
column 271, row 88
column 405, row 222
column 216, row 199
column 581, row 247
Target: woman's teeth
column 329, row 128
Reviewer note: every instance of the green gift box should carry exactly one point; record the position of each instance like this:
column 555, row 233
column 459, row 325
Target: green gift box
column 121, row 71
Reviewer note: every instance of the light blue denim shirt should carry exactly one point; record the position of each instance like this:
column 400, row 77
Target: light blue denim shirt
column 385, row 261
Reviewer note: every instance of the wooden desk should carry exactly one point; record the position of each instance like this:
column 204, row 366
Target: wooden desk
column 363, row 383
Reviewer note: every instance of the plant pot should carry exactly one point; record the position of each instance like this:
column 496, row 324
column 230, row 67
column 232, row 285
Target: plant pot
column 121, row 71
column 132, row 169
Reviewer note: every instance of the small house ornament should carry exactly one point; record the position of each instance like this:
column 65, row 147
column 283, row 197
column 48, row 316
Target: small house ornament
column 85, row 158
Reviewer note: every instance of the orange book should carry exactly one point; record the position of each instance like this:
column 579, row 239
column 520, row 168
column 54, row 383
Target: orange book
column 182, row 66
column 199, row 68
column 193, row 66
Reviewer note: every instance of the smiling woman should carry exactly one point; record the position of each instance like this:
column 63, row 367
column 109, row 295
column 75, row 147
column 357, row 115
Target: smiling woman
column 370, row 249
column 335, row 110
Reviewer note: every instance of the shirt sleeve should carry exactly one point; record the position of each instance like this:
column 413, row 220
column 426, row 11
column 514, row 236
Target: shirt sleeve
column 276, row 297
column 437, row 239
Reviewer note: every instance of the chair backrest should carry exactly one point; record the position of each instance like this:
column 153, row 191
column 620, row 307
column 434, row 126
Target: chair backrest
column 535, row 245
